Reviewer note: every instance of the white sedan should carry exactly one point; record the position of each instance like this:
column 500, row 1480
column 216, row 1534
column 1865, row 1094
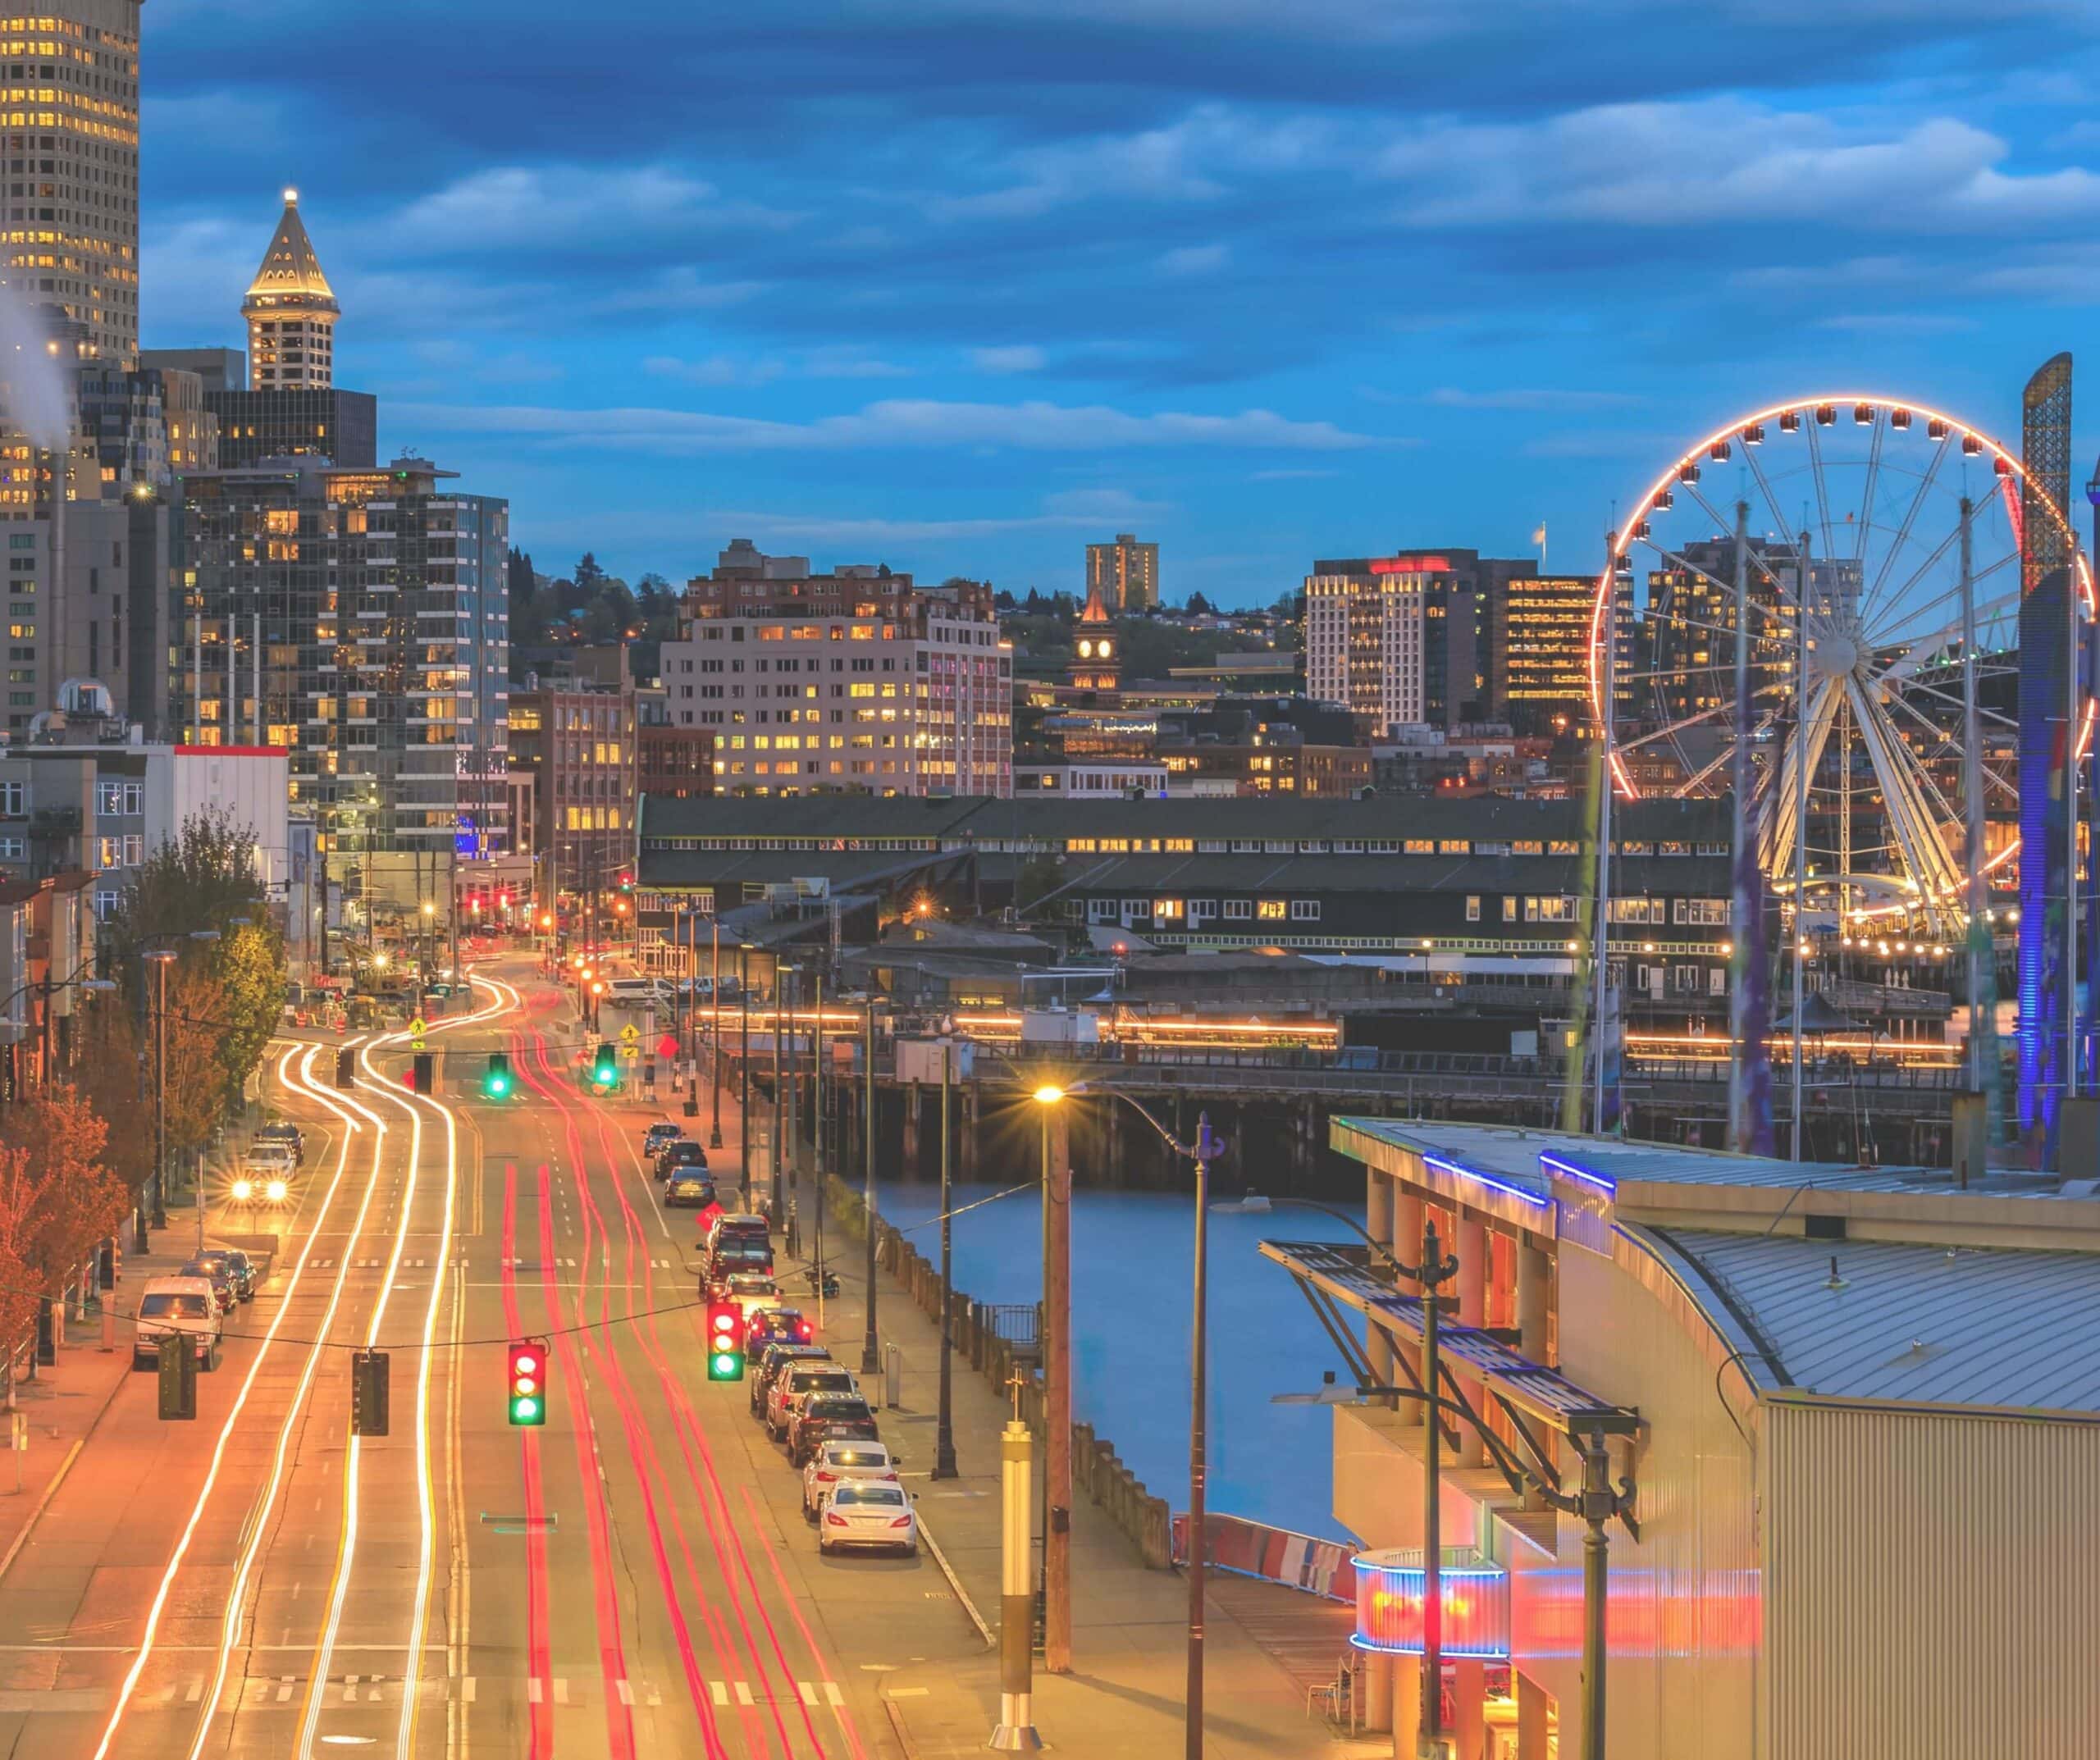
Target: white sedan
column 873, row 1514
column 836, row 1464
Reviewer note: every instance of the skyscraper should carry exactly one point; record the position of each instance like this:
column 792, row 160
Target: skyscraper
column 1124, row 573
column 292, row 311
column 292, row 408
column 69, row 164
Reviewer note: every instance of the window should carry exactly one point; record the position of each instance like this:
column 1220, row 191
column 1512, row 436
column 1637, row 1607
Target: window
column 1238, row 910
column 1717, row 981
column 1305, row 910
column 1701, row 913
column 109, row 798
column 1472, row 915
column 14, row 798
column 1100, row 911
column 1510, row 907
column 1272, row 910
column 1166, row 910
column 1203, row 910
column 1561, row 910
column 1421, row 847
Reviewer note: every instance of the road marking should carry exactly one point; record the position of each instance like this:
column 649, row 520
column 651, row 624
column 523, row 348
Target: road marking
column 744, row 1694
column 720, row 1691
column 625, row 1692
column 283, row 1688
column 196, row 1691
column 810, row 1693
column 906, row 1693
column 561, row 1690
column 466, row 1689
column 832, row 1694
column 535, row 1687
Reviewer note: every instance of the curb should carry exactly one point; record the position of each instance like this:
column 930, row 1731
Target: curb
column 50, row 1490
column 947, row 1570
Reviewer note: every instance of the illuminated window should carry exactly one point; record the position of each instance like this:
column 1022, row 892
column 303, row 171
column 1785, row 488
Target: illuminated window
column 1273, row 910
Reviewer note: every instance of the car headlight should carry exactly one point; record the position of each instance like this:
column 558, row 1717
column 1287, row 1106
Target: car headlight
column 243, row 1190
column 276, row 1191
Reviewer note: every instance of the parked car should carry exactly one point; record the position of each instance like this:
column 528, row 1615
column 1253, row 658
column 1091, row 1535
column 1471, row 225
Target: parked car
column 689, row 1188
column 186, row 1306
column 770, row 1360
column 835, row 1464
column 830, row 1417
column 215, row 1273
column 868, row 1516
column 238, row 1269
column 737, row 1256
column 789, row 1390
column 735, row 1228
column 680, row 1151
column 659, row 1137
column 766, row 1325
column 284, row 1131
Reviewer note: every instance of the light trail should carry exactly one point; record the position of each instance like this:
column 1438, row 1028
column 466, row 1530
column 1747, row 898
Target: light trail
column 505, row 999
column 539, row 1655
column 159, row 1604
column 353, row 1457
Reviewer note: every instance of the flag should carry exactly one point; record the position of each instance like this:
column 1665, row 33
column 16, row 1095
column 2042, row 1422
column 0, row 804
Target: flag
column 1539, row 536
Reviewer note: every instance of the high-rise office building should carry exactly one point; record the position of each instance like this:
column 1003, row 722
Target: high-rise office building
column 361, row 619
column 1538, row 650
column 293, row 408
column 855, row 680
column 69, row 158
column 1125, row 573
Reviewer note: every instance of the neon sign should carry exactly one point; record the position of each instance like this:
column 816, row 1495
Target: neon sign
column 1391, row 1593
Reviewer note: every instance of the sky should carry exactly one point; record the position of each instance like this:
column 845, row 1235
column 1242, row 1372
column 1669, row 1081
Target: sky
column 961, row 285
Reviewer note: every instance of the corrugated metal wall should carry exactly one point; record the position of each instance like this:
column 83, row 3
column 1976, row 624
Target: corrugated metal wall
column 1931, row 1585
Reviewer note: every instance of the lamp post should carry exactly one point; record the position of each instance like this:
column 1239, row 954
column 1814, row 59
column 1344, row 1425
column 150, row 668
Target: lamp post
column 870, row 1357
column 944, row 1466
column 714, row 1030
column 1206, row 1149
column 743, row 1072
column 161, row 958
column 782, row 975
column 1056, row 1352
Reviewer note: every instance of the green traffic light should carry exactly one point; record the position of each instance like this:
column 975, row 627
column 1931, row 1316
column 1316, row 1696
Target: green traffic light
column 497, row 1085
column 725, row 1365
column 524, row 1409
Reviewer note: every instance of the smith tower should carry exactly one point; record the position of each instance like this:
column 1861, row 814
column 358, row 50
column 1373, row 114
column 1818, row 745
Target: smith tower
column 69, row 168
column 291, row 312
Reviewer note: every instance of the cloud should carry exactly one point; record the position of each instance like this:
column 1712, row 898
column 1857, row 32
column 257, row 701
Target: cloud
column 920, row 423
column 1289, row 477
column 580, row 207
column 1019, row 357
column 1195, row 259
column 1895, row 323
column 1724, row 160
column 716, row 369
column 1530, row 398
column 681, row 290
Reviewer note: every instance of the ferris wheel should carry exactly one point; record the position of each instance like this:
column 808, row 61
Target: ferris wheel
column 1905, row 546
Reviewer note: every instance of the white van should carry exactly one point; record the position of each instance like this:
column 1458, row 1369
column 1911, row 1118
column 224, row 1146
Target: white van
column 183, row 1305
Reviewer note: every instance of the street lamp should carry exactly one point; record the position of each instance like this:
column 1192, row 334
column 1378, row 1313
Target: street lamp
column 743, row 1071
column 1205, row 1150
column 870, row 1357
column 1056, row 1354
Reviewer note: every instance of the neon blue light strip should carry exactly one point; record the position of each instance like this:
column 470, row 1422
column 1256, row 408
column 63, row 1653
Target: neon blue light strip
column 1457, row 1172
column 1358, row 1641
column 1553, row 1164
column 1368, row 1566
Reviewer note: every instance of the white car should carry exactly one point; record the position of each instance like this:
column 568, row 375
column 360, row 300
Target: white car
column 181, row 1304
column 836, row 1464
column 874, row 1515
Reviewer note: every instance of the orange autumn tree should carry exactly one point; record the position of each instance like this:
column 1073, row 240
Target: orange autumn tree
column 18, row 1280
column 72, row 1198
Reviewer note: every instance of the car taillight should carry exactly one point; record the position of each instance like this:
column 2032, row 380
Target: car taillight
column 804, row 1329
column 826, row 1479
column 901, row 1522
column 834, row 1519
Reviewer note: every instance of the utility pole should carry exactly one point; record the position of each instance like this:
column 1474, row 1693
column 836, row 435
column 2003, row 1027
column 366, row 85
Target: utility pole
column 162, row 958
column 1057, row 1395
column 1436, row 1271
column 817, row 1107
column 715, row 1032
column 743, row 1072
column 944, row 1466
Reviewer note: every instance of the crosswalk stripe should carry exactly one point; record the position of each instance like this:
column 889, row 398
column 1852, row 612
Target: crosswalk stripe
column 561, row 1690
column 625, row 1691
column 653, row 1696
column 744, row 1694
column 832, row 1694
column 720, row 1690
column 283, row 1688
column 466, row 1689
column 350, row 1689
column 196, row 1691
column 533, row 1687
column 810, row 1693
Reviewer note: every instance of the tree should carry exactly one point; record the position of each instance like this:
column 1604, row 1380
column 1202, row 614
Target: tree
column 111, row 1073
column 198, row 1088
column 1198, row 606
column 75, row 1200
column 250, row 967
column 202, row 879
column 521, row 580
column 589, row 577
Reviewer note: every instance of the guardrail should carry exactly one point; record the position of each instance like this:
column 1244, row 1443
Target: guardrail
column 1008, row 1364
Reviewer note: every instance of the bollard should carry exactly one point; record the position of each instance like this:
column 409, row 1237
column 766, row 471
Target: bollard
column 893, row 1376
column 1015, row 1730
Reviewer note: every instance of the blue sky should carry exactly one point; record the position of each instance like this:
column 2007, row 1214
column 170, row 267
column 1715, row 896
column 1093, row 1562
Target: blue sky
column 958, row 285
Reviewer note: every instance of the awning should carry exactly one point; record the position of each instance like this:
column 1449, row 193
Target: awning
column 1343, row 1274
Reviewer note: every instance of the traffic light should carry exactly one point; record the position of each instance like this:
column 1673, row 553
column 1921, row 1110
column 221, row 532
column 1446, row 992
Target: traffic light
column 626, row 881
column 346, row 1068
column 528, row 1382
column 178, row 1375
column 498, row 1082
column 605, row 1067
column 421, row 1077
column 368, row 1393
column 725, row 1342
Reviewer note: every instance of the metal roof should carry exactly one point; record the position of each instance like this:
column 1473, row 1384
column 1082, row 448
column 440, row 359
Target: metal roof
column 1926, row 1323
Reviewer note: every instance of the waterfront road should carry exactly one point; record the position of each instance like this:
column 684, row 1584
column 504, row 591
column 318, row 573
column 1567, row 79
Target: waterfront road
column 633, row 1578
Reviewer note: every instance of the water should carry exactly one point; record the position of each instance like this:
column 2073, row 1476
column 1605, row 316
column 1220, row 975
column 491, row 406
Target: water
column 1130, row 1330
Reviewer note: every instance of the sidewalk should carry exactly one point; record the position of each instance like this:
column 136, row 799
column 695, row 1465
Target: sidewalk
column 64, row 1404
column 1126, row 1692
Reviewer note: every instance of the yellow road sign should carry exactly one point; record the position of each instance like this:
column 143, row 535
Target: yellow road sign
column 630, row 1034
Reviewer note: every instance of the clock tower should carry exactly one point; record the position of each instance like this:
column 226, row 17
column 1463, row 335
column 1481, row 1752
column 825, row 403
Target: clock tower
column 1097, row 664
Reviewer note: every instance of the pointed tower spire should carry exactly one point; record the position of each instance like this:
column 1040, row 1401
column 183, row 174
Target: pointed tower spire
column 1095, row 665
column 291, row 312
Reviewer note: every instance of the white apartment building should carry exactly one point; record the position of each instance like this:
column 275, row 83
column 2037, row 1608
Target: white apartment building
column 855, row 680
column 1366, row 637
